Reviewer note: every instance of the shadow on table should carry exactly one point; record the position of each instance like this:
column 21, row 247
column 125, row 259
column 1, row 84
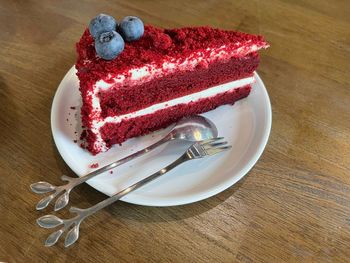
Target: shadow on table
column 171, row 213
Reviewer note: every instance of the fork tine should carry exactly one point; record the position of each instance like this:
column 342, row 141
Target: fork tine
column 225, row 147
column 210, row 140
column 212, row 151
column 214, row 144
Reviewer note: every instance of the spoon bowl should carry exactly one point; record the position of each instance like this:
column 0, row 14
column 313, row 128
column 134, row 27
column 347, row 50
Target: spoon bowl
column 193, row 129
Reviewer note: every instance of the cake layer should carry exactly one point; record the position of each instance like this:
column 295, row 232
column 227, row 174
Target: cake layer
column 194, row 97
column 97, row 123
column 198, row 58
column 116, row 100
column 113, row 133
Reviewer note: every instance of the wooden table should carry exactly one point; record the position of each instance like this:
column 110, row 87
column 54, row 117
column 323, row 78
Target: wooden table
column 293, row 206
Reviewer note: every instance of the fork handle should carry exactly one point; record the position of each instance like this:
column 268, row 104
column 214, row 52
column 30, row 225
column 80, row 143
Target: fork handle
column 137, row 185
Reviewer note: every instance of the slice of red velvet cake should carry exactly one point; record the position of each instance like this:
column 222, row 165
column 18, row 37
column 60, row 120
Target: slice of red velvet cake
column 160, row 78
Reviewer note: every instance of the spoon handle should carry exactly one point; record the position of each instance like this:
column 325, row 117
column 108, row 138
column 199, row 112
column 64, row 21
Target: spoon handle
column 62, row 200
column 121, row 161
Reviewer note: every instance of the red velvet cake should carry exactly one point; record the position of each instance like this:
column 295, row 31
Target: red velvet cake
column 165, row 75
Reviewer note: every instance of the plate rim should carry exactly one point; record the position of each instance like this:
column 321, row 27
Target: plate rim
column 187, row 199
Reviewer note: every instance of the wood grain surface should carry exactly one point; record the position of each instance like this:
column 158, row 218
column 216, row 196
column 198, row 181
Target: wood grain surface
column 293, row 206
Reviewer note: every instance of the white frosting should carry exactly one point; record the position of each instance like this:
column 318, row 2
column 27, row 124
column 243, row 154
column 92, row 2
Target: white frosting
column 97, row 124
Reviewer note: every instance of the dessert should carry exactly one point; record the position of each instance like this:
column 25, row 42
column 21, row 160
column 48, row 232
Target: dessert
column 160, row 77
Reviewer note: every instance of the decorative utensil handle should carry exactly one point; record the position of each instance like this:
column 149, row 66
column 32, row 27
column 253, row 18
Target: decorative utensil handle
column 197, row 150
column 62, row 200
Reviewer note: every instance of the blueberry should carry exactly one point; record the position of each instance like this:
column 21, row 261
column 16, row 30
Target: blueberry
column 102, row 23
column 131, row 28
column 109, row 45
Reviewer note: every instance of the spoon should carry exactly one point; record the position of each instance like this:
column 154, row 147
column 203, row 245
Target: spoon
column 191, row 129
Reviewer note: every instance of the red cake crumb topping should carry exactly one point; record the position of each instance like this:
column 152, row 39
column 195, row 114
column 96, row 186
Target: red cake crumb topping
column 152, row 47
column 94, row 165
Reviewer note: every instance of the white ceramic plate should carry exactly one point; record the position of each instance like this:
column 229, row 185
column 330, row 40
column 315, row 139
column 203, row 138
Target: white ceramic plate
column 245, row 125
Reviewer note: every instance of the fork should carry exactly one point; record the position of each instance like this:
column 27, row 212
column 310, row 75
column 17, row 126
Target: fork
column 63, row 199
column 195, row 151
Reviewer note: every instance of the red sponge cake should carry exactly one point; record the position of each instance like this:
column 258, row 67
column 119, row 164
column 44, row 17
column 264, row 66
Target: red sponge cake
column 158, row 79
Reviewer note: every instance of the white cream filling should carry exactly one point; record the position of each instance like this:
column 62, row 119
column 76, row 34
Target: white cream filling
column 213, row 91
column 150, row 71
column 182, row 100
